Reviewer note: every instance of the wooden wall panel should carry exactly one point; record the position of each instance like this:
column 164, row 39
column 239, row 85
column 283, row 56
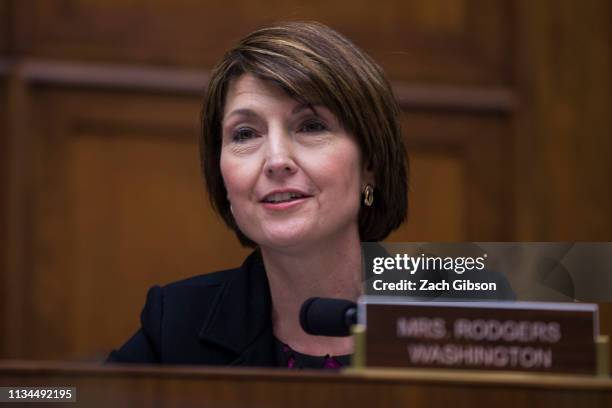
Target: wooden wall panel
column 564, row 134
column 3, row 137
column 436, row 210
column 120, row 206
column 445, row 42
column 5, row 27
column 4, row 168
column 458, row 189
column 16, row 216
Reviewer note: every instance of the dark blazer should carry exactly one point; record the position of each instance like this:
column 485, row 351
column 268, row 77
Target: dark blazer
column 222, row 318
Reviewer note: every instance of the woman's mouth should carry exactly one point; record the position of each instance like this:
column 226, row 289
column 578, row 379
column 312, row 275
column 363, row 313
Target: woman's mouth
column 283, row 199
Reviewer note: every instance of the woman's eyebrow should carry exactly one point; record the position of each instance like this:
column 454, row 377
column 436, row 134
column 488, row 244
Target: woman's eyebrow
column 244, row 112
column 251, row 113
column 305, row 106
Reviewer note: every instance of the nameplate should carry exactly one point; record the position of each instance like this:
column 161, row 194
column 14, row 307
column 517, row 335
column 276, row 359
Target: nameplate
column 510, row 336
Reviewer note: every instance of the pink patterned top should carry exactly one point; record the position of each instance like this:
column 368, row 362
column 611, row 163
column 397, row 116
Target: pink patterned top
column 287, row 357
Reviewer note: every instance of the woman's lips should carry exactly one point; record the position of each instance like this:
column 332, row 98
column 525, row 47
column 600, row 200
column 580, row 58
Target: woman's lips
column 284, row 205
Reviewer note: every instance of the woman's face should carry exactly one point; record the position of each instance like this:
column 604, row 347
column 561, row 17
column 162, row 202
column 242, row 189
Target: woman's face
column 293, row 174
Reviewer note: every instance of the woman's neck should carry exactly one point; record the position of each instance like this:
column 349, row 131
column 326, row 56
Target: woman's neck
column 326, row 269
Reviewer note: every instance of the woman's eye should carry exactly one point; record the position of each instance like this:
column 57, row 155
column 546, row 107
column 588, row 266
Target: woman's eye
column 243, row 134
column 313, row 127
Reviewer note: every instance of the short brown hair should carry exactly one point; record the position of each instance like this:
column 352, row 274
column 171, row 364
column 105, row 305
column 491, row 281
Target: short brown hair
column 317, row 66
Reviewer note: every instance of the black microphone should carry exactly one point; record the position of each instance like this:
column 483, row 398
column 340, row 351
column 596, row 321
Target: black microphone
column 328, row 317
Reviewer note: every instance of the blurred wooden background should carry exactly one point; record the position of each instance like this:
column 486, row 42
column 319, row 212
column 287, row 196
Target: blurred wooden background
column 506, row 116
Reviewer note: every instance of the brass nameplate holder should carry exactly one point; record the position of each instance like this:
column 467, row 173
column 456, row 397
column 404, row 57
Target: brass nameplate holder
column 509, row 336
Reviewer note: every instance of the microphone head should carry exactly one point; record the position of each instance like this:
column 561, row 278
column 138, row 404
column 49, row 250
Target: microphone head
column 327, row 317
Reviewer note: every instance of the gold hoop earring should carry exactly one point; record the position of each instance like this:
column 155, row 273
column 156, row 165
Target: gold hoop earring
column 368, row 195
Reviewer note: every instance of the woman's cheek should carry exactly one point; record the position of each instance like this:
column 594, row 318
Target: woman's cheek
column 229, row 173
column 239, row 174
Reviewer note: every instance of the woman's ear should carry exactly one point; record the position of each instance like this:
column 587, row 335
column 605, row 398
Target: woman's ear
column 367, row 174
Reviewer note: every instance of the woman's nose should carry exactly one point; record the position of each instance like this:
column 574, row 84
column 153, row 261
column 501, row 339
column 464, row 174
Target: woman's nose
column 279, row 155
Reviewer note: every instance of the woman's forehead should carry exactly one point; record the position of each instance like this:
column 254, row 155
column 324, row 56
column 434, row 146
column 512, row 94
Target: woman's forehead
column 248, row 93
column 248, row 88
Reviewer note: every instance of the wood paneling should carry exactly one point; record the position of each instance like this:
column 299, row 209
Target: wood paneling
column 457, row 186
column 112, row 386
column 20, row 165
column 564, row 143
column 173, row 80
column 439, row 41
column 5, row 27
column 120, row 206
column 4, row 168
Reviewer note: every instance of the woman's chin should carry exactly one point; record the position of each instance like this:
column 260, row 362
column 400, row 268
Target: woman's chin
column 286, row 238
column 299, row 233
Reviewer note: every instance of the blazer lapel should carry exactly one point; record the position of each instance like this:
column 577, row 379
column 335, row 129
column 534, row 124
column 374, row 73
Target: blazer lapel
column 239, row 321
